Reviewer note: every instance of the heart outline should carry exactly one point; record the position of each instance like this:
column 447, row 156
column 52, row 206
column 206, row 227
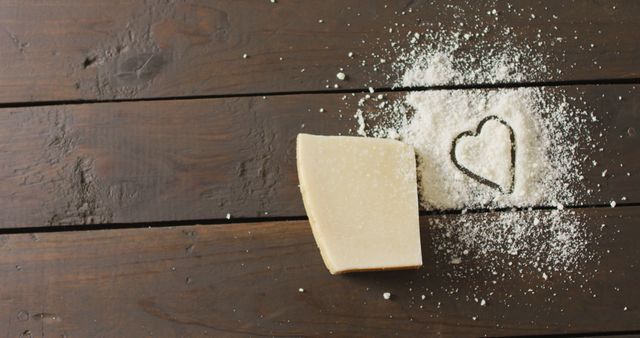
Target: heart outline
column 475, row 176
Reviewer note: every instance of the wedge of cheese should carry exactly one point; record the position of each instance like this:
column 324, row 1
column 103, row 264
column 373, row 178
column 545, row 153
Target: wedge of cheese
column 361, row 198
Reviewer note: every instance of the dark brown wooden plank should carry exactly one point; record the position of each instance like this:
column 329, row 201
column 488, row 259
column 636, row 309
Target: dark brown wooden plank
column 613, row 335
column 92, row 49
column 202, row 159
column 243, row 280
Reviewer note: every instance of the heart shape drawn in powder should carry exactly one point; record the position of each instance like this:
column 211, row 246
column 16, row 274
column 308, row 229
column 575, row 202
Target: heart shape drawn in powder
column 501, row 178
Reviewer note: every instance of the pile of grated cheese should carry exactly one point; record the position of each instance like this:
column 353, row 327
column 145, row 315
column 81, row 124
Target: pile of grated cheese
column 547, row 134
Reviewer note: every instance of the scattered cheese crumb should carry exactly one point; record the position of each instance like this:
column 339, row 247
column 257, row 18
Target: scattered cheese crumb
column 244, row 56
column 301, row 290
column 386, row 295
column 483, row 303
column 613, row 204
column 341, row 76
column 228, row 216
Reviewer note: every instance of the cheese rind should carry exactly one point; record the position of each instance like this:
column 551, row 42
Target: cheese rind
column 361, row 198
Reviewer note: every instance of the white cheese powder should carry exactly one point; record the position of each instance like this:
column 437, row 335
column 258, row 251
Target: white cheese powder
column 547, row 133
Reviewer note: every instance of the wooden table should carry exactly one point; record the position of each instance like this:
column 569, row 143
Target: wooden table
column 130, row 129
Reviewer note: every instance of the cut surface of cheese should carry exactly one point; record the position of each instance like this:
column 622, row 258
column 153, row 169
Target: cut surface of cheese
column 361, row 198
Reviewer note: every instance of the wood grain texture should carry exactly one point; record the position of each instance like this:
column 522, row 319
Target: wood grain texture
column 201, row 159
column 241, row 280
column 92, row 49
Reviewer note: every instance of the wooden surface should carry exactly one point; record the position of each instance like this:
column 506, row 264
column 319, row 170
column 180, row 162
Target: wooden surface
column 84, row 50
column 218, row 139
column 201, row 159
column 243, row 280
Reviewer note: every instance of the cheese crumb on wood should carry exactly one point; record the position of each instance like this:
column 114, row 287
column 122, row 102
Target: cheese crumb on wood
column 361, row 198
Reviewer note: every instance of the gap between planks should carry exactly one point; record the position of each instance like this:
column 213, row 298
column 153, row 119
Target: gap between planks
column 532, row 84
column 244, row 220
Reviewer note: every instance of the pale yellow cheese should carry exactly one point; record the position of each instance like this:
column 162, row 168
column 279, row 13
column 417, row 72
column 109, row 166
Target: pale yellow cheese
column 362, row 202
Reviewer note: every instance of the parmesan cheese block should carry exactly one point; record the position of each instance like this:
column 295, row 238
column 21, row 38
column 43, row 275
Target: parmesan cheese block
column 362, row 201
